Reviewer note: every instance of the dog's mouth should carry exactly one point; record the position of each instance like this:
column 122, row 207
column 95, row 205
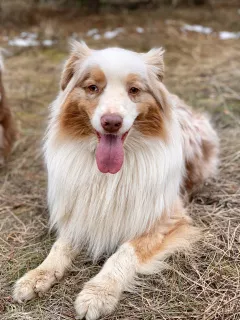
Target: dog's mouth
column 110, row 153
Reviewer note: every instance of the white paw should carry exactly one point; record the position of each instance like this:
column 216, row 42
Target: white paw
column 96, row 300
column 35, row 282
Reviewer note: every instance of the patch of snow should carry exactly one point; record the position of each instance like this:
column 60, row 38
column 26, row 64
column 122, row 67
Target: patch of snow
column 26, row 39
column 30, row 35
column 97, row 36
column 48, row 42
column 19, row 42
column 197, row 28
column 29, row 39
column 139, row 30
column 92, row 32
column 112, row 34
column 225, row 35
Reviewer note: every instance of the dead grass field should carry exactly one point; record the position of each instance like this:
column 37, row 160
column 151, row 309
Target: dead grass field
column 203, row 70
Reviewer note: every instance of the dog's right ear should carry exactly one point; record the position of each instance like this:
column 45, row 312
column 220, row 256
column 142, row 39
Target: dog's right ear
column 79, row 51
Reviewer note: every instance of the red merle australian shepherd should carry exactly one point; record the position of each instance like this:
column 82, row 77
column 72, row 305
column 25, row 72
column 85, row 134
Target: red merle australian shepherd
column 119, row 148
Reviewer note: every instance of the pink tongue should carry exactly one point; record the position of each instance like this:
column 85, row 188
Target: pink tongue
column 109, row 154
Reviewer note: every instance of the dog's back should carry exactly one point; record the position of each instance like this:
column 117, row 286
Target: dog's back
column 200, row 146
column 7, row 128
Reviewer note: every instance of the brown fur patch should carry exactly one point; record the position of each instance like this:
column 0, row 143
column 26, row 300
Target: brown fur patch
column 150, row 121
column 74, row 118
column 208, row 149
column 94, row 76
column 80, row 104
column 191, row 177
column 168, row 233
column 8, row 131
column 134, row 80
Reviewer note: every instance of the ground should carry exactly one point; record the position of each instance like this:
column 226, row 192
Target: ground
column 203, row 70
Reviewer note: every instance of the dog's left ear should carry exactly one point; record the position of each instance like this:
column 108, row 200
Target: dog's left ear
column 154, row 59
column 155, row 66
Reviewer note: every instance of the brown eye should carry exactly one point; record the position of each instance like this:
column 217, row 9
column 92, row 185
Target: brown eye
column 93, row 88
column 133, row 91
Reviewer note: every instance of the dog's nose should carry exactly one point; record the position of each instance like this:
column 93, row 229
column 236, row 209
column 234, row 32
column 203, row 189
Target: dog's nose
column 111, row 122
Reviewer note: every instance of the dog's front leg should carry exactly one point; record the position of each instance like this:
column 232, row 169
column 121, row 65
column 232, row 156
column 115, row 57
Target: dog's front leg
column 101, row 294
column 52, row 269
column 141, row 255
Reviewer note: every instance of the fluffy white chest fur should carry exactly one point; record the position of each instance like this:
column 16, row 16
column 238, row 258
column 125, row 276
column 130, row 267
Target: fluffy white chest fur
column 100, row 210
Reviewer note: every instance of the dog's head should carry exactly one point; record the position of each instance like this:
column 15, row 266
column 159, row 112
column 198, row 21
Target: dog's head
column 110, row 91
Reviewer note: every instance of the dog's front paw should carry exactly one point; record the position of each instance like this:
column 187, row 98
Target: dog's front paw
column 96, row 299
column 35, row 282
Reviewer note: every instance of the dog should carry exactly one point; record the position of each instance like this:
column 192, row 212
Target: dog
column 119, row 149
column 7, row 126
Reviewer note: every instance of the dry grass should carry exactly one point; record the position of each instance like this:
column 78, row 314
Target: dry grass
column 205, row 72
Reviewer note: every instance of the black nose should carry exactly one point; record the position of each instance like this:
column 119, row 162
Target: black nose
column 111, row 122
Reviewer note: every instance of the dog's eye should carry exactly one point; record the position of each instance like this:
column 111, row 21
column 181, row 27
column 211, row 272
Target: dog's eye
column 133, row 91
column 93, row 88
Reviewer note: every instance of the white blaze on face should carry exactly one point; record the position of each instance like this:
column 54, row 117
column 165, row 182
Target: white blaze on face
column 117, row 65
